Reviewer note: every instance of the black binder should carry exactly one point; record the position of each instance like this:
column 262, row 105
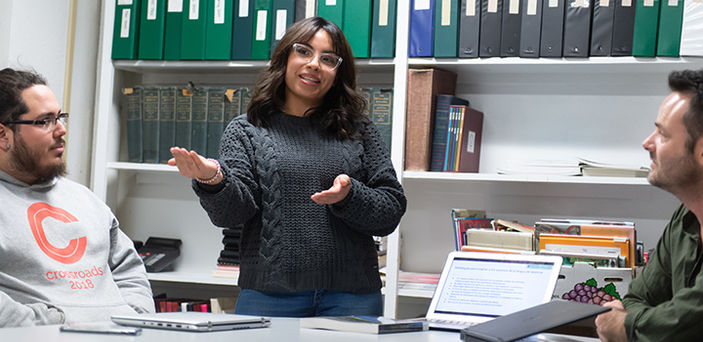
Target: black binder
column 510, row 32
column 602, row 27
column 552, row 28
column 469, row 26
column 623, row 28
column 531, row 27
column 577, row 28
column 491, row 22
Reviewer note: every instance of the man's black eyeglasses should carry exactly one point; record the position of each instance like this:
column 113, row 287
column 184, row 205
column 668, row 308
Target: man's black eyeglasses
column 46, row 124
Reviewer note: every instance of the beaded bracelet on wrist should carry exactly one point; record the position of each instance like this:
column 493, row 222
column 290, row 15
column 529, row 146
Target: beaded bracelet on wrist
column 213, row 178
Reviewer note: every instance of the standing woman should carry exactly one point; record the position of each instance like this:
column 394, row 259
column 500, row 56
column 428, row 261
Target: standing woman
column 309, row 179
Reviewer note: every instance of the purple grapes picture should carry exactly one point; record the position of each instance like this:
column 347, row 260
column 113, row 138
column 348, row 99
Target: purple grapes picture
column 588, row 292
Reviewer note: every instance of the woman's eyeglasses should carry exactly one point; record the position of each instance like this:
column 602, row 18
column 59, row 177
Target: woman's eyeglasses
column 45, row 124
column 328, row 60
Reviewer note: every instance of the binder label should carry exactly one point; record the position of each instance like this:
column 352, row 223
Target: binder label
column 330, row 2
column 648, row 3
column 604, row 3
column 383, row 13
column 194, row 11
column 124, row 2
column 492, row 6
column 151, row 10
column 626, row 3
column 581, row 3
column 219, row 11
column 422, row 5
column 243, row 8
column 261, row 25
column 471, row 144
column 310, row 8
column 673, row 3
column 531, row 7
column 124, row 26
column 470, row 8
column 553, row 3
column 514, row 7
column 175, row 6
column 446, row 13
column 281, row 16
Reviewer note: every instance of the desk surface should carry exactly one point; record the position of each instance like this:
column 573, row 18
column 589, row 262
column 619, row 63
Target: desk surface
column 282, row 329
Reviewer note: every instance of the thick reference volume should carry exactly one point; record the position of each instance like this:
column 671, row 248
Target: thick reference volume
column 365, row 324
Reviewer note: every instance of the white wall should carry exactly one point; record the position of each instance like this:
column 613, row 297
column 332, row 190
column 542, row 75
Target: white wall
column 33, row 35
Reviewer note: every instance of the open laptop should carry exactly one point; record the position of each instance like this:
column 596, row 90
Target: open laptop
column 192, row 321
column 476, row 287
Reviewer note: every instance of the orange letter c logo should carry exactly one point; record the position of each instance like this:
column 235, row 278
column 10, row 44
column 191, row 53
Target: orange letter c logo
column 36, row 214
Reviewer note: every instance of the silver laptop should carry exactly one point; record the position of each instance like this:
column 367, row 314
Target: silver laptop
column 192, row 321
column 476, row 287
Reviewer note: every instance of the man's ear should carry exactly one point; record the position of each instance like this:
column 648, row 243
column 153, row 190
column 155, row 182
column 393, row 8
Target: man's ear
column 698, row 151
column 6, row 137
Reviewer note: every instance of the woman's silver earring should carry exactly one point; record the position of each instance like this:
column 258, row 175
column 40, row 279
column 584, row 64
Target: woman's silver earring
column 7, row 146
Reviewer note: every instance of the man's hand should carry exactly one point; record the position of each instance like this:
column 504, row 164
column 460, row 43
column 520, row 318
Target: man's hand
column 611, row 325
column 338, row 191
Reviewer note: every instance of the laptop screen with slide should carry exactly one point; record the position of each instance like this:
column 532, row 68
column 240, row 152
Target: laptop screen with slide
column 476, row 287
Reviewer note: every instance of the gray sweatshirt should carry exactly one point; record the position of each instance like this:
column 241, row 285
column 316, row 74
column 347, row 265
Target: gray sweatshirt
column 63, row 257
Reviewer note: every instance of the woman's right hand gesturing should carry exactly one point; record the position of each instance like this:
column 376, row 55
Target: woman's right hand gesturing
column 192, row 165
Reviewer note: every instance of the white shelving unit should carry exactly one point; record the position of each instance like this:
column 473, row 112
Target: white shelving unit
column 600, row 108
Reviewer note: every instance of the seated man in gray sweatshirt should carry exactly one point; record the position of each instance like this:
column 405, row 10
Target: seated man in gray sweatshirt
column 63, row 257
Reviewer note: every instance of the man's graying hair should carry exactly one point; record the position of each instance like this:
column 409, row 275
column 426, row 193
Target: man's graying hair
column 690, row 82
column 12, row 83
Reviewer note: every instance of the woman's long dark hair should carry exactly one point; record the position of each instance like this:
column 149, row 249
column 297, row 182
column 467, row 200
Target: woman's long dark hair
column 342, row 106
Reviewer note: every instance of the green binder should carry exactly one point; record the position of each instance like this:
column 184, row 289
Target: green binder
column 357, row 16
column 151, row 29
column 644, row 39
column 332, row 10
column 126, row 30
column 132, row 105
column 283, row 17
column 198, row 126
column 215, row 120
column 261, row 39
column 167, row 122
column 172, row 34
column 193, row 30
column 383, row 29
column 670, row 20
column 150, row 124
column 446, row 28
column 183, row 120
column 242, row 30
column 218, row 33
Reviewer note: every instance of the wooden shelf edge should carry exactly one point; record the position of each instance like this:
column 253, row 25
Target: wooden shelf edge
column 194, row 278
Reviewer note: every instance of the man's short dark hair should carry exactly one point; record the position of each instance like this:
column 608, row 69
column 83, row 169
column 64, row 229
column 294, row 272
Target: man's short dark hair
column 690, row 82
column 12, row 83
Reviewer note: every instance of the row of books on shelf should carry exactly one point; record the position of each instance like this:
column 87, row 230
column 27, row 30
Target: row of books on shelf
column 214, row 305
column 602, row 243
column 555, row 28
column 160, row 117
column 244, row 29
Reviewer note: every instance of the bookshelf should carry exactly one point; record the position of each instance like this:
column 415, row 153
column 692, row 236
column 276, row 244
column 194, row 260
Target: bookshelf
column 600, row 107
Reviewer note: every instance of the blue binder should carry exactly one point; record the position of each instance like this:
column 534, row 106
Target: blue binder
column 420, row 42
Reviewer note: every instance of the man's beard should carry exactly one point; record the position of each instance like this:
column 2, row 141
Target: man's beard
column 25, row 160
column 676, row 174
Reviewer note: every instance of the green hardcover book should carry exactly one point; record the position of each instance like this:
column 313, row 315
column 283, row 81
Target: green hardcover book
column 198, row 133
column 172, row 34
column 383, row 29
column 167, row 122
column 357, row 16
column 382, row 113
column 446, row 28
column 332, row 10
column 215, row 120
column 150, row 124
column 261, row 40
column 283, row 16
column 644, row 39
column 233, row 105
column 246, row 98
column 366, row 94
column 193, row 30
column 132, row 106
column 183, row 118
column 242, row 30
column 126, row 30
column 669, row 33
column 218, row 36
column 151, row 29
